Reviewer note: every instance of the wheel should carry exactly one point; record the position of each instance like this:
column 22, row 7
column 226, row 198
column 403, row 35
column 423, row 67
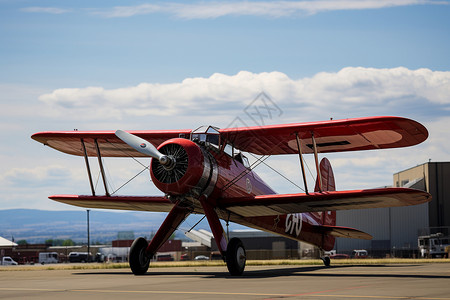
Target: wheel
column 326, row 261
column 138, row 258
column 235, row 257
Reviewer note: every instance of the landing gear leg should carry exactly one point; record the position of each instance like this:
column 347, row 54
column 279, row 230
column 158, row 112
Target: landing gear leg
column 236, row 257
column 233, row 252
column 141, row 252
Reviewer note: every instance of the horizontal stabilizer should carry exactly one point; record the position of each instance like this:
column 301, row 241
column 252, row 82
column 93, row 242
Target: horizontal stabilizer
column 343, row 232
column 156, row 204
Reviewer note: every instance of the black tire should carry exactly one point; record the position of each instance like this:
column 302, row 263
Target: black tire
column 139, row 260
column 236, row 257
column 326, row 261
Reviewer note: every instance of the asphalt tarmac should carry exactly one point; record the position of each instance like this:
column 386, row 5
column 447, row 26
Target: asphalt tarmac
column 406, row 281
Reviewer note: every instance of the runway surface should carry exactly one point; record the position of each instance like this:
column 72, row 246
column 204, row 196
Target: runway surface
column 407, row 281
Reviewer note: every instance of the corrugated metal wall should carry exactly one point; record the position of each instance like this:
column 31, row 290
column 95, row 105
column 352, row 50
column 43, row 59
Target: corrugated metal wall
column 373, row 221
column 406, row 223
column 390, row 227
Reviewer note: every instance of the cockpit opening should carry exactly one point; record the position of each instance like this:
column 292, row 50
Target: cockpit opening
column 207, row 135
column 242, row 159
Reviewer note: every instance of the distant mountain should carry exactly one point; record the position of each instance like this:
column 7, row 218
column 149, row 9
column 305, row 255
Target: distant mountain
column 36, row 226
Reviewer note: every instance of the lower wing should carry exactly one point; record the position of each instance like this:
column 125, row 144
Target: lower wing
column 265, row 205
column 269, row 205
column 157, row 204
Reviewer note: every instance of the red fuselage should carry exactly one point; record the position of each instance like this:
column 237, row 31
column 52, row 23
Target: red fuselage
column 217, row 175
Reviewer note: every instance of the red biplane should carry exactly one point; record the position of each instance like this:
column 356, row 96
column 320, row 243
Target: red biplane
column 204, row 171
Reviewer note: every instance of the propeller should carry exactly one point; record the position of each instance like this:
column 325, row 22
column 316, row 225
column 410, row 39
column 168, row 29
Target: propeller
column 144, row 147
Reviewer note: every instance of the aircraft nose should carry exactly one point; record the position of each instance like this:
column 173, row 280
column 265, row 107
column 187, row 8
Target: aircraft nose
column 181, row 167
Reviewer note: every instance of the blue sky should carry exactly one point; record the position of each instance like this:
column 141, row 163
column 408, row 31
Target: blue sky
column 157, row 65
column 80, row 46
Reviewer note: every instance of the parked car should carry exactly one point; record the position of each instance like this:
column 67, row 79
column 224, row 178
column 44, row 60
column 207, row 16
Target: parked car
column 184, row 257
column 8, row 261
column 360, row 254
column 48, row 258
column 79, row 257
column 339, row 256
column 201, row 257
column 164, row 257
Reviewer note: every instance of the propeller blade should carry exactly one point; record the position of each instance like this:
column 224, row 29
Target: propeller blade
column 141, row 145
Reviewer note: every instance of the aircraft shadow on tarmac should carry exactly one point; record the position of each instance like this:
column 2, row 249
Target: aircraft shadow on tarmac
column 280, row 272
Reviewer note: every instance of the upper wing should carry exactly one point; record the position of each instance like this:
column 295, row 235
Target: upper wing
column 70, row 142
column 269, row 205
column 157, row 204
column 330, row 136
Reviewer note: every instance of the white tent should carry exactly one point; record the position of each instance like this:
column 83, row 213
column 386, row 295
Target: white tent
column 6, row 243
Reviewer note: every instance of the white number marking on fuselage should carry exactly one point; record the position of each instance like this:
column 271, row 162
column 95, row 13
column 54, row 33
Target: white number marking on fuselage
column 293, row 223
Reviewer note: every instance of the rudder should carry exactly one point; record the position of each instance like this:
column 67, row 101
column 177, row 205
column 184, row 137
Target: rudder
column 328, row 184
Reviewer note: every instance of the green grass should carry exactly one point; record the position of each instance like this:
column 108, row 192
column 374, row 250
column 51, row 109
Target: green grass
column 367, row 261
column 174, row 264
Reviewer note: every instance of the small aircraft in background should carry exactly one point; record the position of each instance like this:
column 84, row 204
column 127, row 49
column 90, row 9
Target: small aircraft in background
column 204, row 171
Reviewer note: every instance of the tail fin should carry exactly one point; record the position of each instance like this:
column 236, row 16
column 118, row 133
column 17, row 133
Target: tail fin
column 328, row 228
column 326, row 184
column 326, row 171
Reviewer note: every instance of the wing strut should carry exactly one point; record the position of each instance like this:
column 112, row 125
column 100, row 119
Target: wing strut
column 86, row 160
column 300, row 155
column 102, row 170
column 316, row 158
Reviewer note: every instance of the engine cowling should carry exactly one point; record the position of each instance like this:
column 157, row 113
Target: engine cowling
column 191, row 172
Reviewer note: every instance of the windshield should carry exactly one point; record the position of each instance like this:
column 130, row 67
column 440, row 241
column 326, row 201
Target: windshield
column 208, row 135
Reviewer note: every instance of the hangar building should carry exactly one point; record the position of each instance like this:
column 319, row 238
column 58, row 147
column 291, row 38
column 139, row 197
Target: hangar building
column 395, row 230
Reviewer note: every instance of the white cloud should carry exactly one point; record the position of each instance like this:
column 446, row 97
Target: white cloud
column 47, row 10
column 357, row 85
column 273, row 9
column 217, row 9
column 37, row 176
column 347, row 93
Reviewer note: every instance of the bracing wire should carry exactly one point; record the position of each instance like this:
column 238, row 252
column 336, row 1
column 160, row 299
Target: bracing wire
column 254, row 165
column 204, row 216
column 279, row 173
column 307, row 166
column 108, row 174
column 246, row 171
column 129, row 180
column 109, row 182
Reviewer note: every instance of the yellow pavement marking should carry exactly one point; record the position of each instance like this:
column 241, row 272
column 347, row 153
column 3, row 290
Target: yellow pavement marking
column 141, row 292
column 380, row 297
column 219, row 293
